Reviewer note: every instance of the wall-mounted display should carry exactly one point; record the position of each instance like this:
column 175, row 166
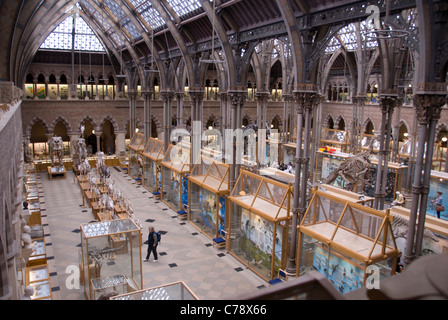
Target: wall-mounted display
column 342, row 239
column 260, row 214
column 209, row 188
column 111, row 258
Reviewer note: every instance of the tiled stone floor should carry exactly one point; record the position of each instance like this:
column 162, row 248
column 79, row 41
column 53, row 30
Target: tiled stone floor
column 184, row 253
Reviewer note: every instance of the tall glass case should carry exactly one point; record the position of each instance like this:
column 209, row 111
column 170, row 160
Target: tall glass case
column 209, row 188
column 136, row 147
column 339, row 139
column 175, row 169
column 345, row 241
column 259, row 223
column 152, row 156
column 111, row 257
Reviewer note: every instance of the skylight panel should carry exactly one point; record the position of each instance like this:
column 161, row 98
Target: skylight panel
column 151, row 16
column 184, row 7
column 62, row 39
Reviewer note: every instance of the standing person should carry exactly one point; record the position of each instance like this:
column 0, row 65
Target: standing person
column 152, row 244
column 438, row 203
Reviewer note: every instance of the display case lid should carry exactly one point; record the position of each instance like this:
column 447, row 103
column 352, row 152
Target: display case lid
column 263, row 196
column 211, row 174
column 177, row 159
column 96, row 229
column 137, row 142
column 358, row 231
column 171, row 291
column 154, row 149
column 340, row 137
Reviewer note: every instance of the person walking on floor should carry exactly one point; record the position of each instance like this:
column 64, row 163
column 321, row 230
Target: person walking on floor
column 152, row 244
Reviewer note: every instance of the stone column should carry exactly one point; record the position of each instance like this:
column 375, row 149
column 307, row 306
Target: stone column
column 180, row 109
column 237, row 99
column 132, row 112
column 58, row 83
column 98, row 134
column 428, row 107
column 262, row 100
column 147, row 111
column 167, row 98
column 387, row 105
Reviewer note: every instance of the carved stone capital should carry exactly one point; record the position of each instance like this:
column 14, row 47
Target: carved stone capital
column 237, row 98
column 388, row 103
column 196, row 96
column 428, row 106
column 166, row 96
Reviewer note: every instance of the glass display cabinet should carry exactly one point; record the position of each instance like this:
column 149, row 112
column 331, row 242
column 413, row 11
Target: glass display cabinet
column 327, row 163
column 136, row 147
column 289, row 155
column 394, row 182
column 172, row 291
column 38, row 277
column 209, row 188
column 260, row 213
column 366, row 143
column 111, row 257
column 273, row 154
column 338, row 139
column 345, row 241
column 152, row 156
column 175, row 170
column 39, row 255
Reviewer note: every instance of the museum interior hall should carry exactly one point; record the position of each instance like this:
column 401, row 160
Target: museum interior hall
column 223, row 150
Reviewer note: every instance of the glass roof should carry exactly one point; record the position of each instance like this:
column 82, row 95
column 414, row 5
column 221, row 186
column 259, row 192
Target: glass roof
column 184, row 7
column 62, row 38
column 348, row 36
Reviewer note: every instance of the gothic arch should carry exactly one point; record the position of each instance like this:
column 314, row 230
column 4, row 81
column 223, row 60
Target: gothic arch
column 33, row 122
column 337, row 122
column 327, row 121
column 213, row 120
column 112, row 121
column 88, row 118
column 64, row 121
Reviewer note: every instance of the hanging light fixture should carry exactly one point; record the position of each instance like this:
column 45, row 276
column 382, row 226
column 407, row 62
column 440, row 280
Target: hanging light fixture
column 121, row 75
column 213, row 41
column 150, row 68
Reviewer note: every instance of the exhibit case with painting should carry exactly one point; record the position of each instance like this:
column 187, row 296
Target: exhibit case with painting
column 327, row 161
column 260, row 213
column 438, row 183
column 110, row 257
column 152, row 156
column 175, row 170
column 345, row 241
column 136, row 147
column 209, row 189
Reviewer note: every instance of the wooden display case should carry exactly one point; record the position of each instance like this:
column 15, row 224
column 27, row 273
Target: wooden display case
column 39, row 256
column 56, row 172
column 38, row 277
column 208, row 189
column 260, row 213
column 342, row 239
